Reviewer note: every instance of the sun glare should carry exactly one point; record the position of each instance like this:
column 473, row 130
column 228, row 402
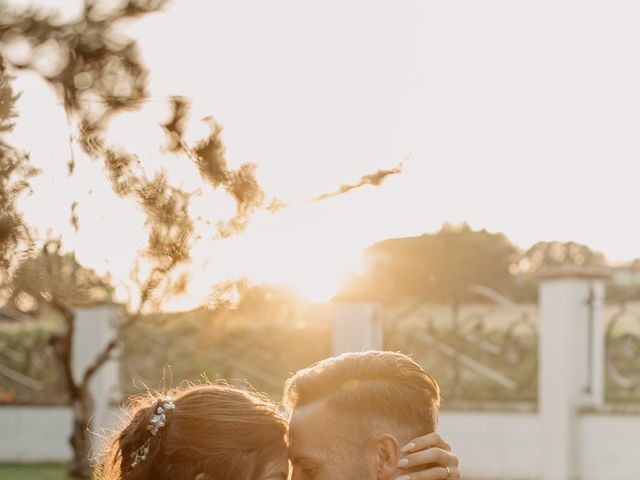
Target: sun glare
column 287, row 249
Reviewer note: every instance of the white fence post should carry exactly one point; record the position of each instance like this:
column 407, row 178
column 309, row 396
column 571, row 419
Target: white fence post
column 571, row 361
column 95, row 327
column 357, row 326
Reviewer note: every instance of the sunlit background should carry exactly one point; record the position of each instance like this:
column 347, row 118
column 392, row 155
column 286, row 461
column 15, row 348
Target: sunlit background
column 525, row 126
column 428, row 169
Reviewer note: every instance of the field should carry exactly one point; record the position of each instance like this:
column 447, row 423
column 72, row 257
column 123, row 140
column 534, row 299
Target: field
column 33, row 472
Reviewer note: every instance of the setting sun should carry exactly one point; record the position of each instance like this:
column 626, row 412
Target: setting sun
column 310, row 247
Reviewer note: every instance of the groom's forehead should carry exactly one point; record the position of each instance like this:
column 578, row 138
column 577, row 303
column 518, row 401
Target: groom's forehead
column 308, row 419
column 311, row 427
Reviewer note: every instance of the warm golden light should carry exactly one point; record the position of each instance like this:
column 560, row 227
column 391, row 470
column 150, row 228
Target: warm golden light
column 323, row 120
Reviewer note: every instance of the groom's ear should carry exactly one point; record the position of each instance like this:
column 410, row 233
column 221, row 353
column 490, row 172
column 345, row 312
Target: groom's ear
column 202, row 476
column 385, row 453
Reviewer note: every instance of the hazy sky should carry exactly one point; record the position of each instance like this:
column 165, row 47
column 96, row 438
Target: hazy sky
column 520, row 117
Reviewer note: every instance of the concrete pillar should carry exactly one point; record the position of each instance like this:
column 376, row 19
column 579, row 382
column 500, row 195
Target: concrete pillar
column 571, row 363
column 357, row 326
column 94, row 329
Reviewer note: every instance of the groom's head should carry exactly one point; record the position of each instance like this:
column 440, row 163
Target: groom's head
column 351, row 414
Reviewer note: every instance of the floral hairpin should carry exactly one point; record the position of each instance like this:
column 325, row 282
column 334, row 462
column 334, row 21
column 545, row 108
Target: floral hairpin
column 158, row 420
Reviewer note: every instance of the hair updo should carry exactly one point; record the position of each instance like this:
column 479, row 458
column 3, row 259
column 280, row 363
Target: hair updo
column 216, row 430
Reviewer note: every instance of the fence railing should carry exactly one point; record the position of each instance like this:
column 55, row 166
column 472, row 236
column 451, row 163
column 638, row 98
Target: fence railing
column 622, row 357
column 480, row 350
column 481, row 347
column 29, row 371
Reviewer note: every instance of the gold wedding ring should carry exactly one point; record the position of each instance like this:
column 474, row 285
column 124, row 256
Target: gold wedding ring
column 448, row 471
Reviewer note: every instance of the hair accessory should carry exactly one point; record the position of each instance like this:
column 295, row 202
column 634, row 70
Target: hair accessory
column 140, row 455
column 158, row 420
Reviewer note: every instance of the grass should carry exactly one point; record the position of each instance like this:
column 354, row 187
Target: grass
column 33, row 472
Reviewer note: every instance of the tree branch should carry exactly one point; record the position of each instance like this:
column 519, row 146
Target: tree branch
column 64, row 344
column 105, row 354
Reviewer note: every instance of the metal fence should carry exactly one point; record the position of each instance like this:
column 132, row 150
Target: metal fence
column 622, row 347
column 481, row 347
column 29, row 370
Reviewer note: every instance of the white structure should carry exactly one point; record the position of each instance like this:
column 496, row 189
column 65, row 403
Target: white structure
column 95, row 328
column 41, row 433
column 570, row 435
column 34, row 434
column 571, row 369
column 357, row 326
column 510, row 445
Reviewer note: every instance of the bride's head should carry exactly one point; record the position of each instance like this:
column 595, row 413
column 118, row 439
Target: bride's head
column 202, row 433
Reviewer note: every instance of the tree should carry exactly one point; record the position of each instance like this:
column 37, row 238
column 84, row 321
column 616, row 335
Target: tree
column 546, row 255
column 15, row 172
column 438, row 266
column 95, row 63
column 54, row 274
column 98, row 74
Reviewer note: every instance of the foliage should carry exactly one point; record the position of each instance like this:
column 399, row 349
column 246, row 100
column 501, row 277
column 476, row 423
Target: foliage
column 15, row 172
column 86, row 58
column 442, row 266
column 98, row 73
column 53, row 274
column 262, row 342
column 266, row 337
column 30, row 372
column 547, row 255
column 436, row 266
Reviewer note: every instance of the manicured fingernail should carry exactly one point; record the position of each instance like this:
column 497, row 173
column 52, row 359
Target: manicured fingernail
column 404, row 477
column 403, row 462
column 408, row 447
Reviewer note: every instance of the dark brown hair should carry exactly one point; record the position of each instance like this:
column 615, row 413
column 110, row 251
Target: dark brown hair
column 370, row 386
column 220, row 431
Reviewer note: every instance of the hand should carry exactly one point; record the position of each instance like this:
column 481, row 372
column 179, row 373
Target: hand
column 434, row 454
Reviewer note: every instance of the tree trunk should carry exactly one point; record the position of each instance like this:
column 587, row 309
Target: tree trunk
column 80, row 440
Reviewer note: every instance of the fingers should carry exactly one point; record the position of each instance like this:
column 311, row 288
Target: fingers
column 433, row 439
column 431, row 456
column 435, row 473
column 433, row 453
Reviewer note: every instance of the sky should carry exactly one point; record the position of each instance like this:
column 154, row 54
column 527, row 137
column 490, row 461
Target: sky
column 518, row 117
